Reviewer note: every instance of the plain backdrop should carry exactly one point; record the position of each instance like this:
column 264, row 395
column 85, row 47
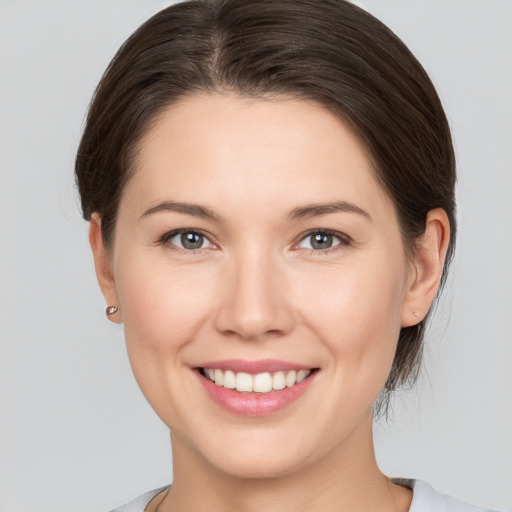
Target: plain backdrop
column 76, row 433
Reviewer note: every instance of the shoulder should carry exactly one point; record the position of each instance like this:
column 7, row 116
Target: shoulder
column 426, row 499
column 140, row 503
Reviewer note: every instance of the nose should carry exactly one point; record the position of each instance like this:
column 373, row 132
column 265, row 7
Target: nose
column 255, row 300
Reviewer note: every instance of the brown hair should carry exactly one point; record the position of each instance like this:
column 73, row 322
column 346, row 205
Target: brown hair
column 329, row 51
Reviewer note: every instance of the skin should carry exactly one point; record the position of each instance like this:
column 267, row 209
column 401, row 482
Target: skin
column 256, row 289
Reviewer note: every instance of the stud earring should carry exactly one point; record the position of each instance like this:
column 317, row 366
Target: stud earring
column 111, row 310
column 415, row 313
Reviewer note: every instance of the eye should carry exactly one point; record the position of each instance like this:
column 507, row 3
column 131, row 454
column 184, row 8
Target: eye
column 324, row 241
column 186, row 239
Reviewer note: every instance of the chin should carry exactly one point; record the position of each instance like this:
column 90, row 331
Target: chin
column 258, row 467
column 252, row 456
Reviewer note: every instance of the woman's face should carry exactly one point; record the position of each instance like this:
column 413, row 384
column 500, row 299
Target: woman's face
column 254, row 242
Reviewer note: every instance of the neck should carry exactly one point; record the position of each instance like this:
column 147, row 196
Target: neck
column 345, row 479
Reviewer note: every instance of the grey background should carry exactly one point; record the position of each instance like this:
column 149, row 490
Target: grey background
column 76, row 433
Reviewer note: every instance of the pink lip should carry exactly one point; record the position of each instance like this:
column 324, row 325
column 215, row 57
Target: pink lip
column 253, row 367
column 254, row 404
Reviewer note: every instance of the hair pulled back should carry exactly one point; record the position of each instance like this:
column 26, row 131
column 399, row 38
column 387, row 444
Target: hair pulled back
column 328, row 51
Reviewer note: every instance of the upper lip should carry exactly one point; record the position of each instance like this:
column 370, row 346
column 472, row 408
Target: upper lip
column 253, row 367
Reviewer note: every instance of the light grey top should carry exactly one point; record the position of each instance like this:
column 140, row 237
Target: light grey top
column 425, row 499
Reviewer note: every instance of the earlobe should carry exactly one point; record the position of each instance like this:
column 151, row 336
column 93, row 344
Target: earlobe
column 427, row 268
column 103, row 267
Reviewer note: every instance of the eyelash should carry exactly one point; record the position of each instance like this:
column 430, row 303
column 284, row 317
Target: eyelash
column 344, row 241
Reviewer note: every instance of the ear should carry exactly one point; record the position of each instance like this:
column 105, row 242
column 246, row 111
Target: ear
column 426, row 268
column 103, row 266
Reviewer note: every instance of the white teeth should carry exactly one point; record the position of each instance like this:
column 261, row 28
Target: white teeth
column 229, row 379
column 278, row 381
column 291, row 378
column 259, row 383
column 302, row 374
column 219, row 377
column 262, row 383
column 243, row 382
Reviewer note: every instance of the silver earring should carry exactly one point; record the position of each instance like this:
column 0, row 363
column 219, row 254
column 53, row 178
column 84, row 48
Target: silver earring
column 111, row 310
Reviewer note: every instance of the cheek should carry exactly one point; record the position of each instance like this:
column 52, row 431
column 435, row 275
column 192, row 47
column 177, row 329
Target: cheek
column 163, row 309
column 356, row 311
column 162, row 306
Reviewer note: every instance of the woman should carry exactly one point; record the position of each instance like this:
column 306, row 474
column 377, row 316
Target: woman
column 270, row 190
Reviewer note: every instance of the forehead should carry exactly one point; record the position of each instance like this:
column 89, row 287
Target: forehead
column 232, row 151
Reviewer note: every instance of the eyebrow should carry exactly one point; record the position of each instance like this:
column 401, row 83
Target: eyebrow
column 315, row 210
column 188, row 208
column 303, row 212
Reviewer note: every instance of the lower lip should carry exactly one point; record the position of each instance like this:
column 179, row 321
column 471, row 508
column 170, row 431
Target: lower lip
column 255, row 404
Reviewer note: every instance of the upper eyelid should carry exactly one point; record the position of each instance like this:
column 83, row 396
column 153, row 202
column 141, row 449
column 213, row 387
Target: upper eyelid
column 325, row 230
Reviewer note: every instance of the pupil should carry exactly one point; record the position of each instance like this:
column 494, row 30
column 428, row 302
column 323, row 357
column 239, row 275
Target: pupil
column 191, row 240
column 322, row 241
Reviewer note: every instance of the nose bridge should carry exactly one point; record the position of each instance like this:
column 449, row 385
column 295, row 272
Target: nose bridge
column 254, row 297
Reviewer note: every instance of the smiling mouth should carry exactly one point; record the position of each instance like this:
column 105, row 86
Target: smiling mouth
column 265, row 382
